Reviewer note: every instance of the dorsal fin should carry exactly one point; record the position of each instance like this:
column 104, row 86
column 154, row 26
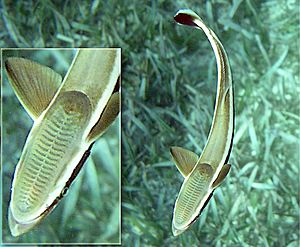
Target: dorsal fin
column 110, row 112
column 34, row 84
column 223, row 173
column 184, row 159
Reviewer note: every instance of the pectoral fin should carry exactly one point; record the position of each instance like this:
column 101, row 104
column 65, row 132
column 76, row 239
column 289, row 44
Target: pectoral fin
column 223, row 173
column 185, row 160
column 110, row 112
column 34, row 84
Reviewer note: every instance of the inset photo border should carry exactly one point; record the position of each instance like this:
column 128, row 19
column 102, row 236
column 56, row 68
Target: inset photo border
column 61, row 156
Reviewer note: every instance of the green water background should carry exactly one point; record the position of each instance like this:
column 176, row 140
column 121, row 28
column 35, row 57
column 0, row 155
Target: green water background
column 168, row 92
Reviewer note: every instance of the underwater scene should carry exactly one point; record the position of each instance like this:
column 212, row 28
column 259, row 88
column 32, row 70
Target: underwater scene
column 205, row 149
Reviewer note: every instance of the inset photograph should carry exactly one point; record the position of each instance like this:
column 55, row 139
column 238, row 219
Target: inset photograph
column 61, row 146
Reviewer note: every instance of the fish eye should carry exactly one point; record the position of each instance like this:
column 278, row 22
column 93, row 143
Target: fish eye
column 64, row 191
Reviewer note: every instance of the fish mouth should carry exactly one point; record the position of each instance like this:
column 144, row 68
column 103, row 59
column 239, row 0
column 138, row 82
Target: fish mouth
column 193, row 198
column 180, row 229
column 18, row 228
column 193, row 191
column 176, row 231
column 51, row 144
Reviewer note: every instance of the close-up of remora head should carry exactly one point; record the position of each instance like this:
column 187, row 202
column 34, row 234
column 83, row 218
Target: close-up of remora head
column 69, row 116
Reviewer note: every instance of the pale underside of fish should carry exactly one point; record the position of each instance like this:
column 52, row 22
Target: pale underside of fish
column 203, row 174
column 69, row 116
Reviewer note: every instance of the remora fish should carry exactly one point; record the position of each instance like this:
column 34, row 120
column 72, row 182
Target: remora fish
column 68, row 117
column 204, row 174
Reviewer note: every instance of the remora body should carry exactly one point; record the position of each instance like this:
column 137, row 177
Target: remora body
column 204, row 174
column 68, row 117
